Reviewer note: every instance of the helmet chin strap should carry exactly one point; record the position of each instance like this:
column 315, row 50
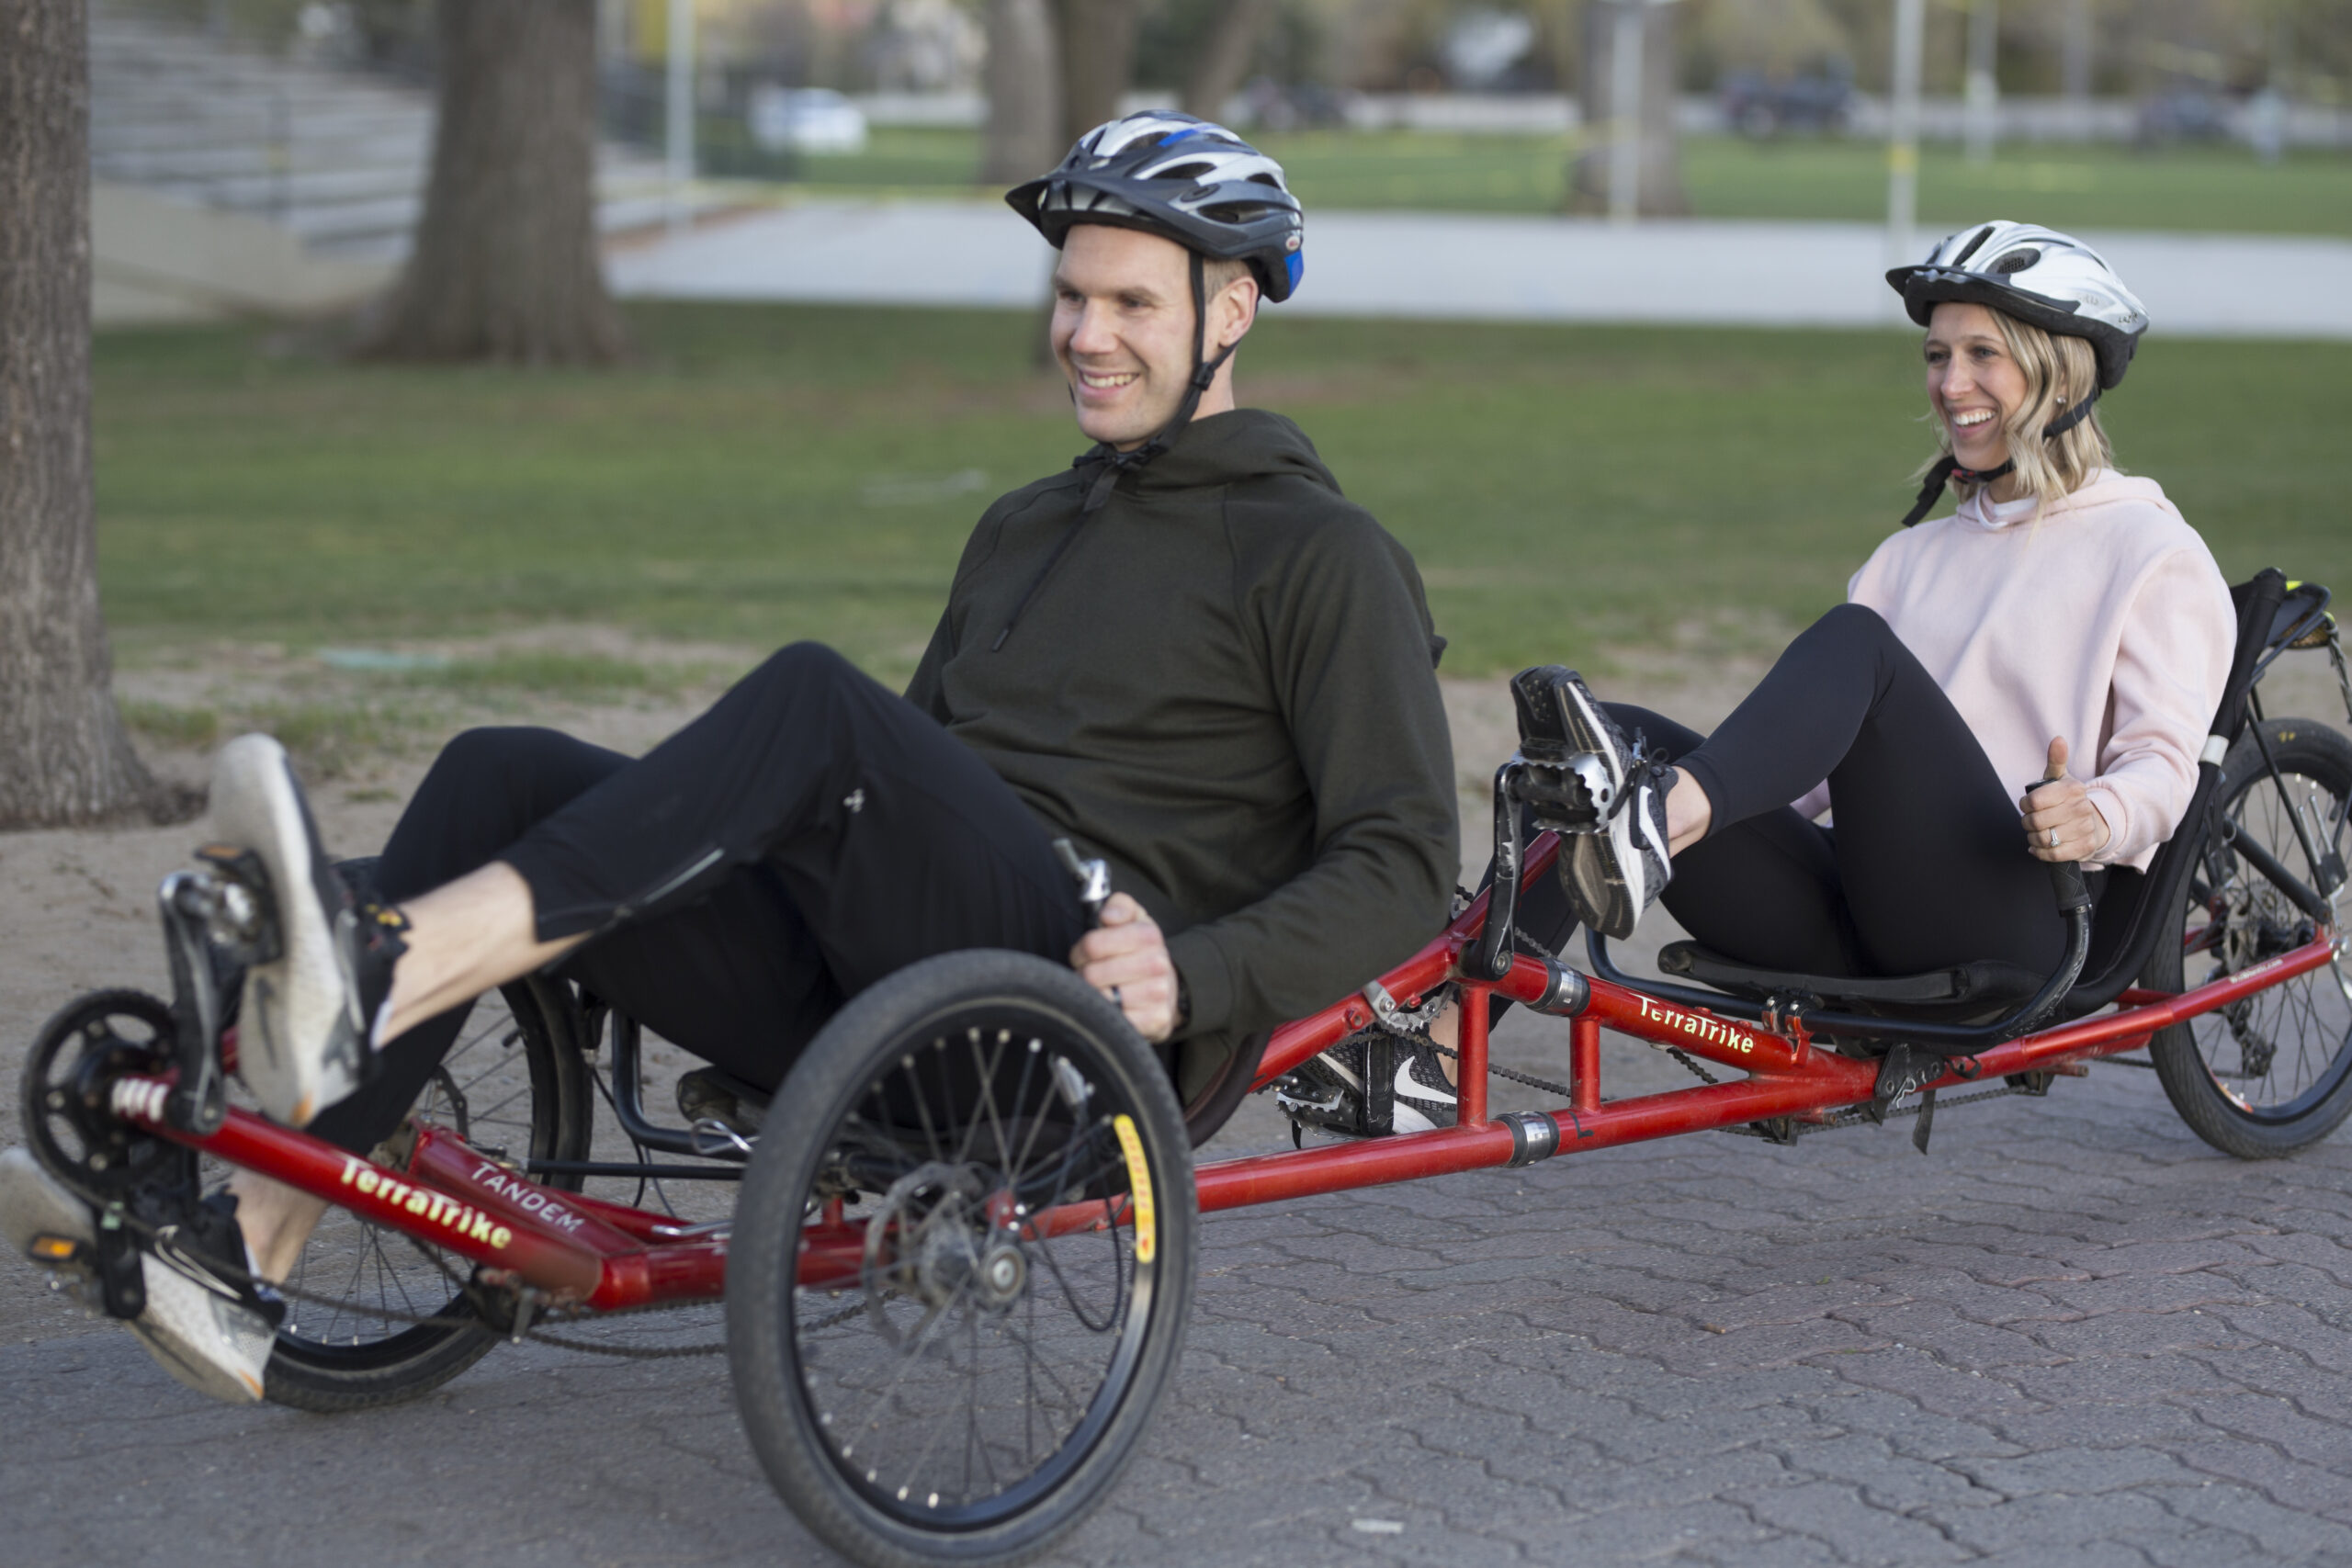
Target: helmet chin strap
column 1948, row 468
column 1116, row 462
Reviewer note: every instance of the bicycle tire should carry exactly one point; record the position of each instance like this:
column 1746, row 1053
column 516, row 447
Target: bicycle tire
column 972, row 1154
column 329, row 1361
column 2273, row 1073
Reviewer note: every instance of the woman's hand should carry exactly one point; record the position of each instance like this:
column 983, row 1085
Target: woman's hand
column 2061, row 823
column 1125, row 958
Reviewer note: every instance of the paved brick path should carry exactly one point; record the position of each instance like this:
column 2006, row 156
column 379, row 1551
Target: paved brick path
column 2072, row 1335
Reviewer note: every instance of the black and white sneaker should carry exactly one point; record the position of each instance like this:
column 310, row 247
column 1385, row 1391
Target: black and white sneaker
column 1367, row 1085
column 306, row 1023
column 1424, row 1101
column 1616, row 871
column 202, row 1324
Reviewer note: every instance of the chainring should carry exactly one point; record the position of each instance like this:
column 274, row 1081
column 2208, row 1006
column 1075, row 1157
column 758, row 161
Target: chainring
column 68, row 1077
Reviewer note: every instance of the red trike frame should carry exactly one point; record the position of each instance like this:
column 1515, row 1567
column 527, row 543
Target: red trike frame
column 582, row 1251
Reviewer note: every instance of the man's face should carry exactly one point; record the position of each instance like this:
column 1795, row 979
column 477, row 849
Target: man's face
column 1123, row 330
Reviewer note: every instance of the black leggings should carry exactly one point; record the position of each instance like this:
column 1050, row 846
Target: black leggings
column 807, row 835
column 1926, row 866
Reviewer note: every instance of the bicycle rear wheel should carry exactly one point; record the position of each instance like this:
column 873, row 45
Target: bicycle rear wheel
column 962, row 1263
column 514, row 1085
column 2272, row 1073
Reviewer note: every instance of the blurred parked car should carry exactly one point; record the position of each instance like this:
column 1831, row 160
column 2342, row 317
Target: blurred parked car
column 1758, row 106
column 1294, row 105
column 804, row 119
column 2182, row 114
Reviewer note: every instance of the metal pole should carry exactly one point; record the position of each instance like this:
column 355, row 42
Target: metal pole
column 680, row 106
column 2077, row 68
column 1983, row 88
column 1626, row 112
column 1903, row 130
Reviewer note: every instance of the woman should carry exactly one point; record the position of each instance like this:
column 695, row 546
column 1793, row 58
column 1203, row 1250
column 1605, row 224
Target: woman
column 2064, row 614
column 2064, row 625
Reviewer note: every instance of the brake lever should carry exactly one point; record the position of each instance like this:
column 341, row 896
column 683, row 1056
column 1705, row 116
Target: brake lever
column 1093, row 877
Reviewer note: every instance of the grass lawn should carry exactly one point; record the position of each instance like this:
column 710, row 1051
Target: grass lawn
column 780, row 472
column 2219, row 189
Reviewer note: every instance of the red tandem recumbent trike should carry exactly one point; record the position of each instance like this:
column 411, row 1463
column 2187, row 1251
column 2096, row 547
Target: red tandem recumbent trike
column 956, row 1277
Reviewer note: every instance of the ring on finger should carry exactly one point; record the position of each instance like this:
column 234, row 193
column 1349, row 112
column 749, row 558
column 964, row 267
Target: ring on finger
column 1116, row 1001
column 2054, row 838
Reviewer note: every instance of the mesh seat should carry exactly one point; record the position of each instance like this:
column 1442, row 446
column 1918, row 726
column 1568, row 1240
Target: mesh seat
column 2130, row 912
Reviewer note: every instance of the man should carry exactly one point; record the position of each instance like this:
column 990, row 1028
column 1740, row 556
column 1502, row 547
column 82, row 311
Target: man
column 1188, row 654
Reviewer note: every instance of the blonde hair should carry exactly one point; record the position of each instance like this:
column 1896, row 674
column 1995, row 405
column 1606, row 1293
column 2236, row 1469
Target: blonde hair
column 2060, row 373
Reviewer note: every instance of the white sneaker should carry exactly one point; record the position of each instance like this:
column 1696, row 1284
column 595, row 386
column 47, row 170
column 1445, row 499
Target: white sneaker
column 301, row 1040
column 206, row 1332
column 199, row 1328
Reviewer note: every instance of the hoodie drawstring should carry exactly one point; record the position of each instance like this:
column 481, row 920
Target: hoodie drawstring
column 1116, row 462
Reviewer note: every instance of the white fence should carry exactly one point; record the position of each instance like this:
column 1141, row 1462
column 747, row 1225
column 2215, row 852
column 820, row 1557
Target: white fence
column 2018, row 118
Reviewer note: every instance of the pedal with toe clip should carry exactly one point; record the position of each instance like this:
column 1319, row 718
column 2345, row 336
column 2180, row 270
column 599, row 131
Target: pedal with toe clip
column 217, row 920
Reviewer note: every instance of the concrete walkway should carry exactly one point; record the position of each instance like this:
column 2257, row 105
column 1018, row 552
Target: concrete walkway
column 1482, row 265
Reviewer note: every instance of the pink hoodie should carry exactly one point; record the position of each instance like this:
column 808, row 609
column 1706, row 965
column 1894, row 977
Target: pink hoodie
column 2105, row 621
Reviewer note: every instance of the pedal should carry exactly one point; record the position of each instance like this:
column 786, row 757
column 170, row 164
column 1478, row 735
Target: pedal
column 1349, row 1090
column 1571, row 794
column 235, row 904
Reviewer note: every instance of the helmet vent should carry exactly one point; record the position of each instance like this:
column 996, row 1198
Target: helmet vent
column 2016, row 261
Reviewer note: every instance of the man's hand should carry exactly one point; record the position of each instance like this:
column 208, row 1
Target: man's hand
column 1125, row 958
column 2061, row 823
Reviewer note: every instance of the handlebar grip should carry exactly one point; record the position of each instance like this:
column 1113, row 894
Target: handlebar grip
column 2067, row 882
column 2065, row 876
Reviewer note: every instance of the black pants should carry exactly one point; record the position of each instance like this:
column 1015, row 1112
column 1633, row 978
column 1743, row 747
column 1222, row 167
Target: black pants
column 1926, row 866
column 807, row 835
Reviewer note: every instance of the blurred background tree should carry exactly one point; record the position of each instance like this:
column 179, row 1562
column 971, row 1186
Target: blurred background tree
column 63, row 755
column 1649, row 120
column 505, row 267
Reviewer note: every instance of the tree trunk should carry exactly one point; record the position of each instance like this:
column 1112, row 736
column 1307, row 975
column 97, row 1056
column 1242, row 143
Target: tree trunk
column 1025, row 126
column 1098, row 60
column 1224, row 63
column 505, row 266
column 63, row 755
column 1660, row 184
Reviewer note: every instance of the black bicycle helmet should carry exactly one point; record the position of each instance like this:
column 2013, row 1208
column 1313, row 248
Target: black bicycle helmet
column 1184, row 179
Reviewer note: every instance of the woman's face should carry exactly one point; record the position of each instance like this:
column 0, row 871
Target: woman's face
column 1972, row 383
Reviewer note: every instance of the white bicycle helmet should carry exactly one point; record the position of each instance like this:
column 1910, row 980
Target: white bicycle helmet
column 1184, row 179
column 2036, row 275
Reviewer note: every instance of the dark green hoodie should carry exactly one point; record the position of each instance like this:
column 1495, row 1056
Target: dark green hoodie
column 1226, row 687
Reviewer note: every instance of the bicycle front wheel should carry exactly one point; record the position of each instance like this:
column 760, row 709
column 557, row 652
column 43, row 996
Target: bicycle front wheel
column 961, row 1264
